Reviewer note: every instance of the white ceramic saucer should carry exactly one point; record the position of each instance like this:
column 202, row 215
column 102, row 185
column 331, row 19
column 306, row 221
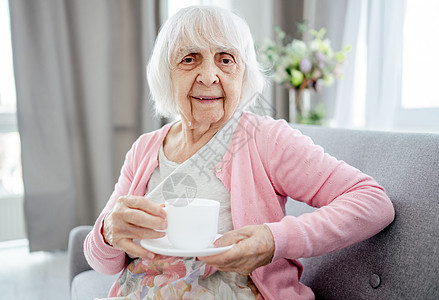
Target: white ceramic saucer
column 163, row 246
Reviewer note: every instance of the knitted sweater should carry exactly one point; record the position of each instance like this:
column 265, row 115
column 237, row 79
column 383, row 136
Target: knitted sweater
column 266, row 162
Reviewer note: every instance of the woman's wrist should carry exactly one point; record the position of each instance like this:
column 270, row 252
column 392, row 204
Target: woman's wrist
column 106, row 229
column 270, row 242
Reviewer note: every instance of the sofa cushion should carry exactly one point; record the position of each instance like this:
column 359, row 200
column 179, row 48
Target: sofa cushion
column 401, row 262
column 90, row 285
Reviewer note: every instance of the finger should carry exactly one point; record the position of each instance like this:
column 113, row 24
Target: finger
column 135, row 232
column 225, row 258
column 133, row 249
column 142, row 233
column 144, row 204
column 230, row 238
column 231, row 261
column 142, row 219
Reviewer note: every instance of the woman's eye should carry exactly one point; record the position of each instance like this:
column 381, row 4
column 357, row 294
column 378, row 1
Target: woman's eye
column 187, row 60
column 226, row 59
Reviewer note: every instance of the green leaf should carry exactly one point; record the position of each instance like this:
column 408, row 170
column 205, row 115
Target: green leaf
column 302, row 26
column 340, row 57
column 296, row 77
column 321, row 33
column 280, row 33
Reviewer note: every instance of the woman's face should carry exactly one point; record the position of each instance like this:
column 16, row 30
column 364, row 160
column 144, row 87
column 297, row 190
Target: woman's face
column 207, row 84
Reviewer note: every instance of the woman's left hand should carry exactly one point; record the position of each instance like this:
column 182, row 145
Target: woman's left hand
column 254, row 247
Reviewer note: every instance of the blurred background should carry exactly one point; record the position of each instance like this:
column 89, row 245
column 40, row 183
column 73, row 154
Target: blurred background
column 74, row 97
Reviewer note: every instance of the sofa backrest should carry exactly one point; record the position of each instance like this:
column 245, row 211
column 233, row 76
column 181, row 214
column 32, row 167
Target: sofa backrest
column 402, row 261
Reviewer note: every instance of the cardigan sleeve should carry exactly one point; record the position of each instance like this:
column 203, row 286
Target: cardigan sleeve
column 101, row 256
column 352, row 206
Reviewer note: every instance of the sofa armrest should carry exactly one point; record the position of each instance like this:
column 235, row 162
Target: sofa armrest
column 77, row 261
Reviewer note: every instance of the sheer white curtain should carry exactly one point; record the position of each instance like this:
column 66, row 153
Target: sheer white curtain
column 371, row 89
column 346, row 97
column 385, row 25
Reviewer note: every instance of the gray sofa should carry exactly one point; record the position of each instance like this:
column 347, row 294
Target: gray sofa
column 401, row 262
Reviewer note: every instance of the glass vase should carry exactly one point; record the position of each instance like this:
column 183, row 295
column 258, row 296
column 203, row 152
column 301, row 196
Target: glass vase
column 300, row 105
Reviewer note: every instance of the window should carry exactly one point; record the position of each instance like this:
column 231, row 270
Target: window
column 419, row 107
column 420, row 63
column 11, row 182
column 10, row 166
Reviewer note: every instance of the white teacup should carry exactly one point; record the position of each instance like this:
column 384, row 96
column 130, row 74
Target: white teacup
column 194, row 225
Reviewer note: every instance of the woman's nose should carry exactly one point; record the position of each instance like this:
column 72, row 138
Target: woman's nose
column 208, row 74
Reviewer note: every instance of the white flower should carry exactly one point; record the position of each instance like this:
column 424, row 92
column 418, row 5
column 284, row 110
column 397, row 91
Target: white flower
column 299, row 47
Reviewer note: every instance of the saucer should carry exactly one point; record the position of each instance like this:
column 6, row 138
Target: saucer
column 163, row 246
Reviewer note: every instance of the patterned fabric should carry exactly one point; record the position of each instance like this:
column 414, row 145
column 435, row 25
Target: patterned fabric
column 164, row 277
column 167, row 277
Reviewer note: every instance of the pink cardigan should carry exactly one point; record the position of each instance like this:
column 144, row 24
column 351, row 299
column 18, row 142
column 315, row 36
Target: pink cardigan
column 267, row 161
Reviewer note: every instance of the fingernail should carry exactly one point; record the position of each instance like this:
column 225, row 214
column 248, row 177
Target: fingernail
column 164, row 225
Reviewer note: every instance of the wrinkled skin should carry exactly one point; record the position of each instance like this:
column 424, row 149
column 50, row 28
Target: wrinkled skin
column 254, row 247
column 134, row 217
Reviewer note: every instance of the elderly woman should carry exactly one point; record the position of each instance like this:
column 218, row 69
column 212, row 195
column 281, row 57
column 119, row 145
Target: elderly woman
column 204, row 70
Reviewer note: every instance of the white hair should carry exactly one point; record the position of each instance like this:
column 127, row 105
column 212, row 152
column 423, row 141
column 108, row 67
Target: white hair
column 199, row 26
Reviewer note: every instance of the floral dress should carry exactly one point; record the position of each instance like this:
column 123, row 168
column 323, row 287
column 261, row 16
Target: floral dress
column 164, row 277
column 167, row 277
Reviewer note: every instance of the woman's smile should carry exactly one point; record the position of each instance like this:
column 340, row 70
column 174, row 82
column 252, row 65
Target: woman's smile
column 207, row 99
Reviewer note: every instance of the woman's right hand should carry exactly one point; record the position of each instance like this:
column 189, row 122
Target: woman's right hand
column 134, row 217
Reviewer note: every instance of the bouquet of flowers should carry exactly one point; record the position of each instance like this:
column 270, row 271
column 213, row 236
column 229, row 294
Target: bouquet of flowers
column 298, row 65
